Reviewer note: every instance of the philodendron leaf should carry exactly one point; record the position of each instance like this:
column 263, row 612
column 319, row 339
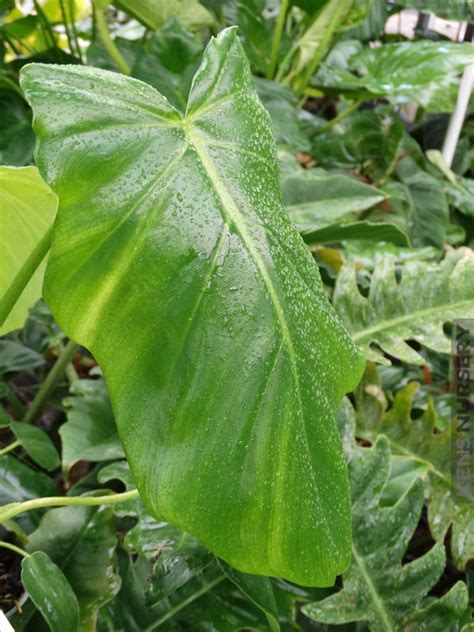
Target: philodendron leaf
column 50, row 591
column 81, row 541
column 27, row 210
column 172, row 236
column 377, row 588
column 414, row 308
column 417, row 440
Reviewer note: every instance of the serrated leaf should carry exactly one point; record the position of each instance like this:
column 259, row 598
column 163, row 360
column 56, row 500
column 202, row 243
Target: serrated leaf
column 377, row 588
column 415, row 308
column 50, row 591
column 37, row 444
column 183, row 217
column 419, row 440
column 89, row 433
column 27, row 211
column 81, row 541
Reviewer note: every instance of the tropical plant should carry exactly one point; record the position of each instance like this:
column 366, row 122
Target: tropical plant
column 217, row 222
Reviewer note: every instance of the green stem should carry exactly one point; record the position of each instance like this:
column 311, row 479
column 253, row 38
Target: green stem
column 74, row 29
column 311, row 68
column 12, row 547
column 57, row 370
column 340, row 117
column 66, row 26
column 206, row 588
column 109, row 42
column 13, row 509
column 23, row 276
column 277, row 38
column 10, row 447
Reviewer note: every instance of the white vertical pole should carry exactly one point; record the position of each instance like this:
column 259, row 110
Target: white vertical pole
column 457, row 117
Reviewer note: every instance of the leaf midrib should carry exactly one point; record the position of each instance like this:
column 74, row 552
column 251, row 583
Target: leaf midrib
column 378, row 603
column 406, row 318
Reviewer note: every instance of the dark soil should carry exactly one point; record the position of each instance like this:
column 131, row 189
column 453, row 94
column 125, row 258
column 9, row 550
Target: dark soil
column 11, row 588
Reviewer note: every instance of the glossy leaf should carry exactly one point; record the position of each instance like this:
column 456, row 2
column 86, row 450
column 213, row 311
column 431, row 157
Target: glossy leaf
column 377, row 588
column 182, row 220
column 27, row 210
column 19, row 482
column 415, row 308
column 315, row 200
column 154, row 13
column 81, row 541
column 37, row 444
column 419, row 441
column 425, row 72
column 89, row 433
column 50, row 592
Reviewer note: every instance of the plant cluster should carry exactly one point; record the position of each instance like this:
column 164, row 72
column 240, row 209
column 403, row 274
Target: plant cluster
column 232, row 255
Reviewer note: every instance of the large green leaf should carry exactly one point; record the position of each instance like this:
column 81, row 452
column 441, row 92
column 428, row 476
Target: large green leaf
column 424, row 71
column 377, row 588
column 81, row 541
column 419, row 441
column 27, row 210
column 50, row 591
column 414, row 308
column 175, row 263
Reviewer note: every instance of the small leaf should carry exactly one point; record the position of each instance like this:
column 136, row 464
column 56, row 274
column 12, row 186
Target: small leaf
column 81, row 541
column 377, row 588
column 50, row 591
column 27, row 212
column 18, row 482
column 37, row 444
column 415, row 308
column 182, row 217
column 154, row 13
column 15, row 357
column 89, row 433
column 379, row 231
column 317, row 200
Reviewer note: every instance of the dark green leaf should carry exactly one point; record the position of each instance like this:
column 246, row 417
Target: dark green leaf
column 182, row 220
column 89, row 433
column 37, row 444
column 15, row 357
column 377, row 588
column 19, row 482
column 81, row 541
column 415, row 308
column 17, row 141
column 50, row 591
column 357, row 230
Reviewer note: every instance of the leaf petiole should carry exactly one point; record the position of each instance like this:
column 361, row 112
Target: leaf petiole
column 15, row 549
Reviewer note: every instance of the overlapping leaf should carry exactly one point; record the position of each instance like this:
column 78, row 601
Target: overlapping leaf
column 414, row 308
column 176, row 265
column 27, row 210
column 377, row 588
